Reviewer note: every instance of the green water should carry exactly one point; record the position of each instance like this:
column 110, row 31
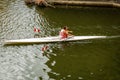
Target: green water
column 82, row 60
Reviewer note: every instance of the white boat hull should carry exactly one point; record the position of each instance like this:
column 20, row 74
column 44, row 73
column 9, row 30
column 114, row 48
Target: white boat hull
column 51, row 39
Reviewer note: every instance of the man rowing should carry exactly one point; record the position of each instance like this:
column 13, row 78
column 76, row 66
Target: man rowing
column 65, row 33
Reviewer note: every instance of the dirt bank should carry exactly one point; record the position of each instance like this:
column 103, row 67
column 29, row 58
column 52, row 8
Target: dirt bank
column 97, row 3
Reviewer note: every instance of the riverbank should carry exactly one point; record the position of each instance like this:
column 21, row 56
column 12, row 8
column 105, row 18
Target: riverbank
column 85, row 3
column 79, row 3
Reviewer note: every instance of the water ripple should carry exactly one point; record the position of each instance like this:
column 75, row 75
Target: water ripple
column 21, row 62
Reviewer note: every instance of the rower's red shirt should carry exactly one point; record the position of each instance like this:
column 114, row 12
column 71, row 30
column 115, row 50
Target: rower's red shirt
column 63, row 34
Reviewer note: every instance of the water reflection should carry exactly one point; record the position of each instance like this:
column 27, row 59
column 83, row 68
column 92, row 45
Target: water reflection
column 21, row 62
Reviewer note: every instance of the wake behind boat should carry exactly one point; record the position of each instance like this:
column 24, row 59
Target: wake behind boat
column 51, row 39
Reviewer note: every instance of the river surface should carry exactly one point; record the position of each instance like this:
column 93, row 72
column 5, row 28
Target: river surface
column 82, row 60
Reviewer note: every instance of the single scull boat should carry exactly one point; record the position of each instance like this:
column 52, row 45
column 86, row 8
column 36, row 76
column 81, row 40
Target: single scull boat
column 51, row 39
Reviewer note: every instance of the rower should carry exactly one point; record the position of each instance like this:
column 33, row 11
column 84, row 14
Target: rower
column 65, row 33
